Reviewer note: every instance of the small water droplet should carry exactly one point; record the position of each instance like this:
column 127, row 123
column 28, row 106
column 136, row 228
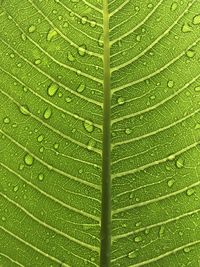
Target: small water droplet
column 40, row 138
column 138, row 239
column 128, row 131
column 81, row 88
column 52, row 89
column 88, row 125
column 120, row 101
column 47, row 113
column 161, row 231
column 196, row 20
column 171, row 182
column 82, row 50
column 91, row 144
column 93, row 24
column 186, row 28
column 56, row 145
column 23, row 37
column 190, row 53
column 174, row 6
column 41, row 176
column 28, row 159
column 37, row 61
column 24, row 110
column 84, row 20
column 51, row 34
column 190, row 192
column 180, row 163
column 31, row 29
column 68, row 99
column 197, row 89
column 132, row 254
column 6, row 120
column 186, row 250
column 170, row 84
column 70, row 56
column 16, row 188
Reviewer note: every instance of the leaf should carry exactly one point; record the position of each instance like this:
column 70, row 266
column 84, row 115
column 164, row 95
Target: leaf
column 99, row 118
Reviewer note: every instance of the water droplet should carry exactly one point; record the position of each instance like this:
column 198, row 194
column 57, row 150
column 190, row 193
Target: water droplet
column 82, row 50
column 180, row 163
column 37, row 61
column 138, row 239
column 171, row 157
column 21, row 167
column 186, row 28
column 41, row 176
column 51, row 34
column 68, row 99
column 40, row 138
column 23, row 37
column 161, row 231
column 16, row 188
column 128, row 131
column 132, row 254
column 70, row 57
column 93, row 24
column 81, row 88
column 24, row 110
column 196, row 20
column 186, row 250
column 170, row 84
column 84, row 20
column 197, row 89
column 52, row 89
column 174, row 6
column 31, row 29
column 6, row 120
column 100, row 40
column 190, row 53
column 91, row 144
column 190, row 191
column 197, row 126
column 120, row 101
column 56, row 145
column 171, row 182
column 47, row 113
column 88, row 125
column 28, row 159
column 3, row 218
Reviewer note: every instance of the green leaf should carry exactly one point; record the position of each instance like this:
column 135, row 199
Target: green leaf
column 99, row 133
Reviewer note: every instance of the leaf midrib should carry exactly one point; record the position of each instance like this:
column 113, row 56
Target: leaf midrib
column 106, row 172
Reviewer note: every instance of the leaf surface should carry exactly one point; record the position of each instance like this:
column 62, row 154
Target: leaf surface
column 99, row 133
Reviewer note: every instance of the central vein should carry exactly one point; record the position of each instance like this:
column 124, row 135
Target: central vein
column 106, row 172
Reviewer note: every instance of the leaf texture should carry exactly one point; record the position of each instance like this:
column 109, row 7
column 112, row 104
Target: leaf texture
column 91, row 87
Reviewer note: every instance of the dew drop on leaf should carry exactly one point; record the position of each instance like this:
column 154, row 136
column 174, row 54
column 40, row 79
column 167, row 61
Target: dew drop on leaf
column 174, row 6
column 186, row 28
column 171, row 182
column 91, row 144
column 83, row 20
column 51, row 34
column 138, row 239
column 6, row 120
column 120, row 101
column 132, row 254
column 68, row 99
column 81, row 88
column 37, row 61
column 82, row 50
column 190, row 53
column 28, row 160
column 190, row 192
column 41, row 176
column 24, row 110
column 52, row 89
column 40, row 138
column 180, row 163
column 70, row 57
column 196, row 20
column 161, row 231
column 16, row 188
column 128, row 131
column 31, row 29
column 186, row 250
column 170, row 84
column 88, row 125
column 197, row 89
column 47, row 113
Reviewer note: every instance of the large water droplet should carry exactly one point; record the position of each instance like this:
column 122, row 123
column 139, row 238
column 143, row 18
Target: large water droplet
column 24, row 110
column 196, row 20
column 40, row 138
column 88, row 125
column 47, row 113
column 186, row 28
column 51, row 34
column 52, row 89
column 28, row 159
column 81, row 88
column 31, row 29
column 190, row 191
